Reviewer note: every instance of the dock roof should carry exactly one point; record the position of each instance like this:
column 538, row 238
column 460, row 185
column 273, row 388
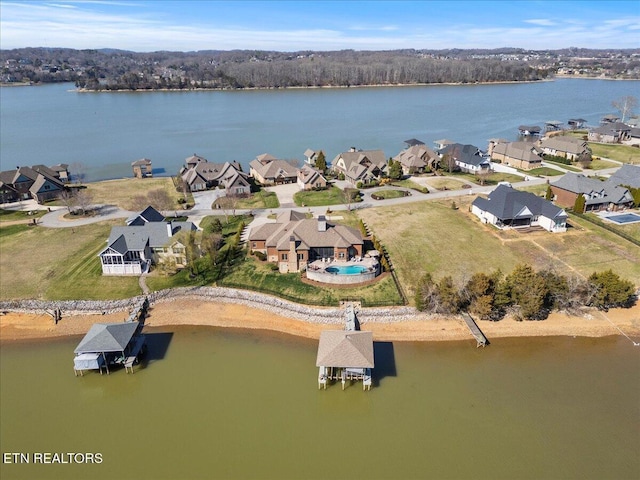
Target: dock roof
column 340, row 348
column 107, row 337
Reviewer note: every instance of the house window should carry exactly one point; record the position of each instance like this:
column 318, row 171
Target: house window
column 253, row 244
column 285, row 256
column 341, row 255
column 301, row 256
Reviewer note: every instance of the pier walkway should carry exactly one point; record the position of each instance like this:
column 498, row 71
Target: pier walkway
column 475, row 331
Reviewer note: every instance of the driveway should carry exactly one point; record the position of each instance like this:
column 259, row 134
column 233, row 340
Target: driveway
column 285, row 193
column 56, row 218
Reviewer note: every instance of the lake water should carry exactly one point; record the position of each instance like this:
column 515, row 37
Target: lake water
column 215, row 403
column 107, row 131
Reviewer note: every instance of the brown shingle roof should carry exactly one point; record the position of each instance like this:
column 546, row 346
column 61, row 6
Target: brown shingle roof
column 341, row 348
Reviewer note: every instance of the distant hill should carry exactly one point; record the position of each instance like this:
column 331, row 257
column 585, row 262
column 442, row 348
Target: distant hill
column 112, row 69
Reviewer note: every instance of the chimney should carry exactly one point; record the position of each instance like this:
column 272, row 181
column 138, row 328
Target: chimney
column 322, row 223
column 353, row 149
column 169, row 229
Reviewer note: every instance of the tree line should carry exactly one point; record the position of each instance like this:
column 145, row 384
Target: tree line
column 524, row 293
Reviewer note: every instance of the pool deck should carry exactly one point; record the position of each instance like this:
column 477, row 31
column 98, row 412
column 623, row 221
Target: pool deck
column 609, row 217
column 317, row 271
column 319, row 265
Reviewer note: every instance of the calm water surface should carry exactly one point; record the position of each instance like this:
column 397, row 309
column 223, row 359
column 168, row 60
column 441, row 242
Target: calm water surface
column 214, row 403
column 107, row 131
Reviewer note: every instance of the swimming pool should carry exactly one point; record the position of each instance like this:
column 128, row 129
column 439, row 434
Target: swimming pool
column 347, row 269
column 624, row 218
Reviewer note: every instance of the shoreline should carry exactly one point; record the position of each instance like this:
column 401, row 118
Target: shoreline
column 30, row 327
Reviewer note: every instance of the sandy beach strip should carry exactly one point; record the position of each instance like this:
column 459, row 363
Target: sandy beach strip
column 23, row 326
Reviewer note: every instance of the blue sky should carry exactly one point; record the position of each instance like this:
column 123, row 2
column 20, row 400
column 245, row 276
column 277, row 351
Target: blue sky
column 313, row 25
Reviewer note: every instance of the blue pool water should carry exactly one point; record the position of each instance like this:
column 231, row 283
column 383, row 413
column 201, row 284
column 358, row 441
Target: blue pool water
column 625, row 218
column 347, row 270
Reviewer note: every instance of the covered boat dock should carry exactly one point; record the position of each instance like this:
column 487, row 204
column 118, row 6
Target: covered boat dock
column 345, row 355
column 109, row 344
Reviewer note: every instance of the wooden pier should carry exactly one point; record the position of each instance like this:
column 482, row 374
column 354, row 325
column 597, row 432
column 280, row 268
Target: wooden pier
column 475, row 331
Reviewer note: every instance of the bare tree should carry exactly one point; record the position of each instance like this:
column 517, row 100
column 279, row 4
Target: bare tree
column 483, row 175
column 160, row 199
column 625, row 106
column 68, row 199
column 84, row 198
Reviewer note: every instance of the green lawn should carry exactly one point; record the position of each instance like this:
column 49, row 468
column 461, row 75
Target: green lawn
column 621, row 153
column 599, row 164
column 408, row 183
column 446, row 183
column 121, row 192
column 253, row 274
column 545, row 172
column 562, row 165
column 331, row 196
column 387, row 194
column 261, row 199
column 61, row 264
column 15, row 215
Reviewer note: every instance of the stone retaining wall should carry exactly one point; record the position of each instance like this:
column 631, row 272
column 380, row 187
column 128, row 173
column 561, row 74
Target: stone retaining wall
column 214, row 294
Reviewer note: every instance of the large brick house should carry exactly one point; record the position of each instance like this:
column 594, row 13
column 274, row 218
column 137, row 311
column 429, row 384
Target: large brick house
column 293, row 241
column 598, row 195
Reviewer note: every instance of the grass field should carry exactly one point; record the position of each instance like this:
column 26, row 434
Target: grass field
column 15, row 216
column 431, row 237
column 546, row 171
column 562, row 165
column 408, row 183
column 621, row 153
column 331, row 196
column 59, row 264
column 261, row 199
column 120, row 192
column 386, row 194
column 446, row 183
column 253, row 274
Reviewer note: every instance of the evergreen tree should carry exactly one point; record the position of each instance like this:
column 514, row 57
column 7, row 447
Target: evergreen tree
column 580, row 204
column 321, row 162
column 549, row 194
column 611, row 290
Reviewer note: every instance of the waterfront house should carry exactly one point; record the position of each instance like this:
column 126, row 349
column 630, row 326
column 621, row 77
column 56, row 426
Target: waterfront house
column 364, row 166
column 199, row 174
column 468, row 158
column 310, row 156
column 142, row 168
column 614, row 132
column 506, row 207
column 38, row 182
column 310, row 178
column 268, row 170
column 598, row 195
column 345, row 355
column 293, row 241
column 132, row 249
column 417, row 158
column 564, row 146
column 522, row 155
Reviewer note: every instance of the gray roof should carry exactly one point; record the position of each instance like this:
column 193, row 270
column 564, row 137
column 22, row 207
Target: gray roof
column 507, row 203
column 340, row 348
column 627, row 175
column 596, row 191
column 137, row 237
column 467, row 154
column 149, row 214
column 107, row 337
column 141, row 162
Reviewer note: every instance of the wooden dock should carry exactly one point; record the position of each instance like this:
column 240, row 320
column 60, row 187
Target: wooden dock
column 475, row 331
